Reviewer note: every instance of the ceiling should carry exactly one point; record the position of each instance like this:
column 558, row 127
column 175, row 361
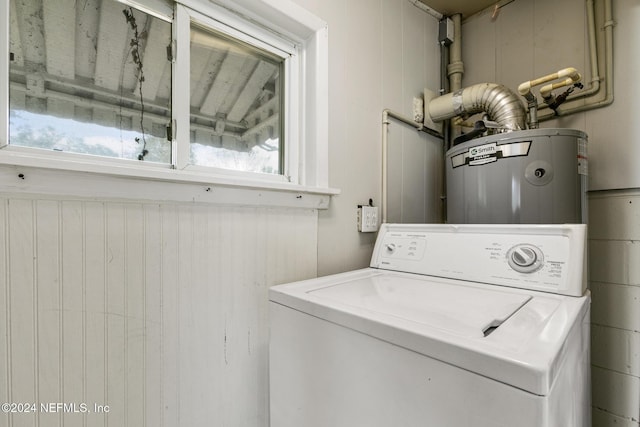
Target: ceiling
column 465, row 7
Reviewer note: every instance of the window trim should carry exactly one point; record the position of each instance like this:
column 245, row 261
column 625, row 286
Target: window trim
column 306, row 160
column 4, row 75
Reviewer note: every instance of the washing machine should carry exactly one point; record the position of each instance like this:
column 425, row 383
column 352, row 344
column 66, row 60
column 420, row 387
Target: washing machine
column 450, row 326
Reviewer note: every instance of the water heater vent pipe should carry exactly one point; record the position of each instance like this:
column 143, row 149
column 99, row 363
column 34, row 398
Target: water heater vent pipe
column 497, row 101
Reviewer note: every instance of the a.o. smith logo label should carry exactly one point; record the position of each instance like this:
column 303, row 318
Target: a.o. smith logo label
column 483, row 154
column 489, row 153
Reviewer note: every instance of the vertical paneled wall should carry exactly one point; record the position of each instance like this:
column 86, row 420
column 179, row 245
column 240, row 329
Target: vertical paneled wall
column 614, row 261
column 156, row 310
column 391, row 58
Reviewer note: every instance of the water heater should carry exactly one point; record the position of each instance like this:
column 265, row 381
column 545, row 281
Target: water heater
column 536, row 176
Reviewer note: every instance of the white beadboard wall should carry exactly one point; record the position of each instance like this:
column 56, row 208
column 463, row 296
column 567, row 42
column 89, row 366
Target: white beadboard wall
column 157, row 310
column 614, row 260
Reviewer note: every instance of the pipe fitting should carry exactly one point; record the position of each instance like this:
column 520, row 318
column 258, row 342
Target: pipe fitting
column 455, row 68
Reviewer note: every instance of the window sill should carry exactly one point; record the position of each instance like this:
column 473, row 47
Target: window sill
column 113, row 179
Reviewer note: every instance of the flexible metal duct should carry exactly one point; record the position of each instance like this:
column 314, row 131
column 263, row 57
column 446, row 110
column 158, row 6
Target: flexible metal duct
column 497, row 101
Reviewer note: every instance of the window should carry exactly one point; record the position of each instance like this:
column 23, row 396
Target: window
column 189, row 87
column 235, row 103
column 101, row 88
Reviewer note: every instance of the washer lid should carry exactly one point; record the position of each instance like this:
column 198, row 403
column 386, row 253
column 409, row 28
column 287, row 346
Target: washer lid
column 455, row 308
column 515, row 336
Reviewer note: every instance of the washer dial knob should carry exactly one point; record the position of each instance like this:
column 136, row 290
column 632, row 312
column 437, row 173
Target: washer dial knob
column 525, row 258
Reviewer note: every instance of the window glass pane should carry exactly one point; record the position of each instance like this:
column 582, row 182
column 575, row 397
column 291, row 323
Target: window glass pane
column 90, row 77
column 236, row 95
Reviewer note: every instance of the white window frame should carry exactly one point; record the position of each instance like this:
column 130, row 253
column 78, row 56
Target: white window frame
column 282, row 25
column 239, row 29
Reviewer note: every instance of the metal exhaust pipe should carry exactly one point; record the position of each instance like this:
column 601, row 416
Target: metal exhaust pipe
column 499, row 103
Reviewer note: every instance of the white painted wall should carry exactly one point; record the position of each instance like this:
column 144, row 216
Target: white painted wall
column 382, row 53
column 531, row 38
column 158, row 310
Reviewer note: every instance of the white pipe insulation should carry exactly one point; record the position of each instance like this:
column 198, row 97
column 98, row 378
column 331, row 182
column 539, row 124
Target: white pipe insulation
column 546, row 90
column 569, row 75
column 497, row 101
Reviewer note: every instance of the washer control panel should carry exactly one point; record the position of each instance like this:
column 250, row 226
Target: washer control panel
column 549, row 258
column 405, row 246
